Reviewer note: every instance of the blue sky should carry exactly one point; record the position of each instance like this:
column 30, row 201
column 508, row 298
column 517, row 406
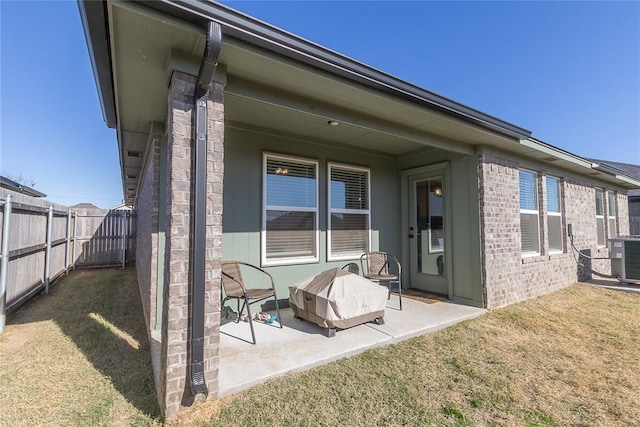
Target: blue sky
column 568, row 71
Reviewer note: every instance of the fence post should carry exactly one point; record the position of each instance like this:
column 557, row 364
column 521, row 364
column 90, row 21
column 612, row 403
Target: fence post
column 47, row 259
column 75, row 238
column 68, row 248
column 124, row 239
column 4, row 263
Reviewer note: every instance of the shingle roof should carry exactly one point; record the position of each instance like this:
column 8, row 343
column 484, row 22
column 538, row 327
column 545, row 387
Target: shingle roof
column 628, row 169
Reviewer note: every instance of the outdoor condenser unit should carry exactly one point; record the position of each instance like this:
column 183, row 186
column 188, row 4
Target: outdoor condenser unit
column 625, row 258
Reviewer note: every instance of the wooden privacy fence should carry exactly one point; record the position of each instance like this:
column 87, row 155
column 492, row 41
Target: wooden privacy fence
column 41, row 241
column 103, row 237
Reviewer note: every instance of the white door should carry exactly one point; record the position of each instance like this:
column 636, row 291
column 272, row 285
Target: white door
column 427, row 236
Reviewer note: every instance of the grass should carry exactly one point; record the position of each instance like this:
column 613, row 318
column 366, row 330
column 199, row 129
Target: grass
column 79, row 356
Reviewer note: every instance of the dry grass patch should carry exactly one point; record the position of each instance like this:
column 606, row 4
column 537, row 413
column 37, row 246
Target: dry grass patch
column 79, row 356
column 569, row 358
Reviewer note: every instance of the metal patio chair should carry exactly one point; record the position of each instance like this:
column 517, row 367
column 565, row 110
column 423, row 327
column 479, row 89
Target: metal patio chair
column 379, row 267
column 352, row 268
column 234, row 288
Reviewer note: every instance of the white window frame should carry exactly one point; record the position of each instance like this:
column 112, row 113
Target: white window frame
column 555, row 214
column 600, row 217
column 611, row 204
column 330, row 210
column 263, row 232
column 535, row 212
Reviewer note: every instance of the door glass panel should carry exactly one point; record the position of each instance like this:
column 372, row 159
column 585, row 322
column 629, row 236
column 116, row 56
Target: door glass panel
column 430, row 226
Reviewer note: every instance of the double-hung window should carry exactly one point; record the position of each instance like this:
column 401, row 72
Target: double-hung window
column 290, row 214
column 554, row 214
column 349, row 217
column 600, row 217
column 611, row 210
column 529, row 220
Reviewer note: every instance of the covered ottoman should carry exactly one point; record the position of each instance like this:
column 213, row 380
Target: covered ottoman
column 337, row 299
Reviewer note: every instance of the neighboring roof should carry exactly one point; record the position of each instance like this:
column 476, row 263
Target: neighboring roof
column 627, row 169
column 121, row 207
column 84, row 206
column 10, row 184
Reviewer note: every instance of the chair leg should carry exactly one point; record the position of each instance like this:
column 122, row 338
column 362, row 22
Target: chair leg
column 400, row 292
column 278, row 311
column 253, row 335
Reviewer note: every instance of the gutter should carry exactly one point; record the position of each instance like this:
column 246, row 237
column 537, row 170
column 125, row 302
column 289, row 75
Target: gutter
column 199, row 198
column 93, row 15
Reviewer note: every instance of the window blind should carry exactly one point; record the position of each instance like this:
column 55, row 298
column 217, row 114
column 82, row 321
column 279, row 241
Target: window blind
column 600, row 218
column 529, row 223
column 290, row 211
column 349, row 214
column 611, row 209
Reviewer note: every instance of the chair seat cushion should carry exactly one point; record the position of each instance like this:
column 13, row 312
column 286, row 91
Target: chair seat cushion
column 259, row 293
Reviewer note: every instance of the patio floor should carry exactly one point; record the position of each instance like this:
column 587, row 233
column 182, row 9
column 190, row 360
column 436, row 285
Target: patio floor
column 301, row 345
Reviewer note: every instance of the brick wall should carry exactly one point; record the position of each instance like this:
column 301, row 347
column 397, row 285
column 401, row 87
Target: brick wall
column 175, row 392
column 624, row 217
column 509, row 277
column 634, row 216
column 147, row 232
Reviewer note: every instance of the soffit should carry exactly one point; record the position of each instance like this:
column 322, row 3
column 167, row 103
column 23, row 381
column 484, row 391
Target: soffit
column 308, row 125
column 249, row 64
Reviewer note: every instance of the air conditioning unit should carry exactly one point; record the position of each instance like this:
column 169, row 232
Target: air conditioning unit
column 625, row 258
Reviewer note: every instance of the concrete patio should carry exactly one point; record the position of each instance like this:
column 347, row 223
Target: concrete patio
column 301, row 345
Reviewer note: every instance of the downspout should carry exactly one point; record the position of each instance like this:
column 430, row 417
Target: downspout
column 199, row 237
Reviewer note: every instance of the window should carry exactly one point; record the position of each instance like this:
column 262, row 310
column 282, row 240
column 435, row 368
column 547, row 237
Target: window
column 529, row 223
column 349, row 212
column 600, row 217
column 611, row 206
column 554, row 215
column 290, row 215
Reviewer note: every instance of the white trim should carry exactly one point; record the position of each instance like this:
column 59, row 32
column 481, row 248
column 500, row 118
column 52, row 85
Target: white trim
column 367, row 212
column 263, row 231
column 530, row 211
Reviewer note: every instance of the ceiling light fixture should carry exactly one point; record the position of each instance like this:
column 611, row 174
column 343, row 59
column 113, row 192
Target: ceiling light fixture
column 333, row 123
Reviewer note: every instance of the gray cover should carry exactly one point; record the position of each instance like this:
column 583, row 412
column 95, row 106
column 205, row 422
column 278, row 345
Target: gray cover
column 337, row 299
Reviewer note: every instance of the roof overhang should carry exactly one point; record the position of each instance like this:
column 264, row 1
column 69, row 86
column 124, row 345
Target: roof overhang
column 276, row 82
column 542, row 151
column 12, row 185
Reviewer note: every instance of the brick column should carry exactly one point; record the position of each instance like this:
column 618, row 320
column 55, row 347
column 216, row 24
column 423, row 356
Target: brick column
column 174, row 390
